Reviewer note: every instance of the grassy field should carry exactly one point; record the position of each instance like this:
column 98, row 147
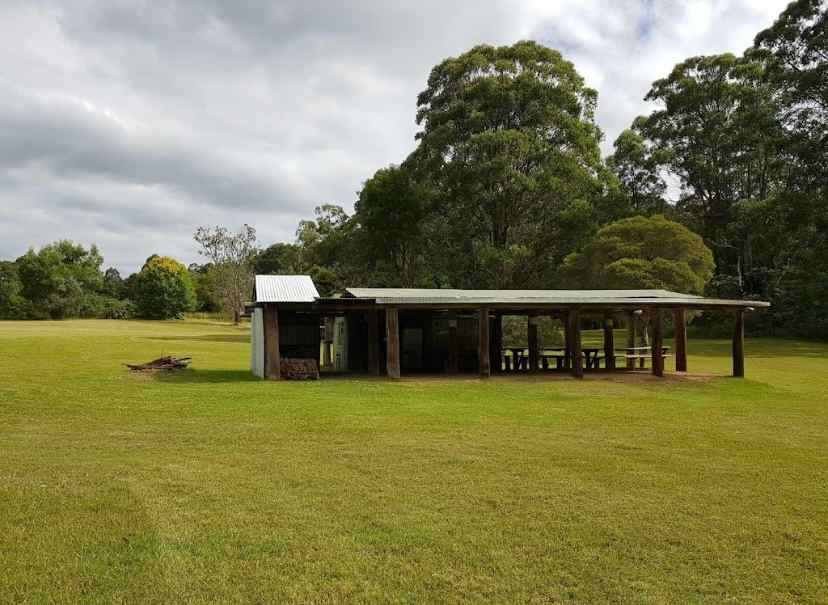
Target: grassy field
column 213, row 487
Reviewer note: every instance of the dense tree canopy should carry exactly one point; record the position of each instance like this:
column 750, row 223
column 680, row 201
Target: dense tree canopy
column 638, row 168
column 61, row 279
column 717, row 134
column 641, row 252
column 163, row 289
column 795, row 50
column 509, row 146
column 12, row 303
column 328, row 249
column 391, row 211
column 278, row 259
column 743, row 141
column 794, row 223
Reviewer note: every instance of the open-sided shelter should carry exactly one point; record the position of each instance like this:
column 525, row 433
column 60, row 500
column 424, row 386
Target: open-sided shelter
column 395, row 331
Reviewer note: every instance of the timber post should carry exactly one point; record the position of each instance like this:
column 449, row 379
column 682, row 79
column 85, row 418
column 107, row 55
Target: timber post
column 533, row 342
column 567, row 361
column 575, row 343
column 373, row 342
column 609, row 342
column 483, row 343
column 739, row 345
column 453, row 354
column 643, row 335
column 392, row 335
column 273, row 358
column 630, row 340
column 680, row 339
column 657, row 342
column 496, row 353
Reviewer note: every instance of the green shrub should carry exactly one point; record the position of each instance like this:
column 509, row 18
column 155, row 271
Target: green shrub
column 112, row 308
column 163, row 289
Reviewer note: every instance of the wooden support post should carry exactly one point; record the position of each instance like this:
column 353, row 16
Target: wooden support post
column 680, row 339
column 483, row 343
column 318, row 343
column 373, row 342
column 609, row 343
column 453, row 352
column 631, row 319
column 643, row 337
column 273, row 359
column 496, row 354
column 575, row 338
column 657, row 342
column 567, row 361
column 326, row 344
column 739, row 345
column 533, row 343
column 552, row 318
column 392, row 339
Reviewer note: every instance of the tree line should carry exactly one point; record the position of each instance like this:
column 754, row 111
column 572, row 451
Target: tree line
column 721, row 190
column 65, row 280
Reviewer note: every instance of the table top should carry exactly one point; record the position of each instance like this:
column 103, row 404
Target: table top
column 641, row 348
column 545, row 350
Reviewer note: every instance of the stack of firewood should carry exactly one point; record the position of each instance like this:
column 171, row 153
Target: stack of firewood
column 166, row 364
column 299, row 369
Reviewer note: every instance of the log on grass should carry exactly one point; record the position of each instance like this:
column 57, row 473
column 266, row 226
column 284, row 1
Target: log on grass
column 167, row 363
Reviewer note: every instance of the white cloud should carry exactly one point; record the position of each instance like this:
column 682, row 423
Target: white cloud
column 129, row 123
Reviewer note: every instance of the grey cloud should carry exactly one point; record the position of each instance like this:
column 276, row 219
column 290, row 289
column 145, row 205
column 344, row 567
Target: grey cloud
column 72, row 137
column 128, row 123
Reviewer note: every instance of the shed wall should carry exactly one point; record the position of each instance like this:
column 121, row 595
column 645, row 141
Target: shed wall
column 257, row 343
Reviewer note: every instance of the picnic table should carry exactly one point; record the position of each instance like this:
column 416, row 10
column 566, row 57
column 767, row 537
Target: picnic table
column 559, row 355
column 641, row 354
column 591, row 357
column 518, row 360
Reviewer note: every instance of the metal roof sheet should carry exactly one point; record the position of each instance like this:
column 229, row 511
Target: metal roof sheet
column 505, row 296
column 285, row 288
column 634, row 302
column 301, row 289
column 451, row 297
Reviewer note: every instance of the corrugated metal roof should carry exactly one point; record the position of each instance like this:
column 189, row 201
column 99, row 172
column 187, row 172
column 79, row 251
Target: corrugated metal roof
column 301, row 289
column 507, row 295
column 285, row 288
column 610, row 301
column 403, row 296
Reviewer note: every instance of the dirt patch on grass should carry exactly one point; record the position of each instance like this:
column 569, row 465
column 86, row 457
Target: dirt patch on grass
column 523, row 378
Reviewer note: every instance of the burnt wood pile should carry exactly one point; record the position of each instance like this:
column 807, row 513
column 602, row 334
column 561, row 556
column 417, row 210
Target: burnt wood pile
column 165, row 364
column 299, row 369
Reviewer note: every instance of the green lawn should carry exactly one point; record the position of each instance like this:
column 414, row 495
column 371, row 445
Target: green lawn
column 212, row 486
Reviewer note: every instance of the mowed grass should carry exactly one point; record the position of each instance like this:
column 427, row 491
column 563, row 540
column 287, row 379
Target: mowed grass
column 214, row 487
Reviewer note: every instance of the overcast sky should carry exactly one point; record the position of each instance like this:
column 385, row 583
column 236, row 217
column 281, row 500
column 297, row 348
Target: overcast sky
column 128, row 123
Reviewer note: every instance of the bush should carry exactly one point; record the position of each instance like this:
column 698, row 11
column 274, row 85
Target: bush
column 12, row 303
column 61, row 280
column 163, row 289
column 642, row 252
column 112, row 308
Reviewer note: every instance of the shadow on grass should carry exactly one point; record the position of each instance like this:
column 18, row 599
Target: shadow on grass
column 195, row 376
column 205, row 338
